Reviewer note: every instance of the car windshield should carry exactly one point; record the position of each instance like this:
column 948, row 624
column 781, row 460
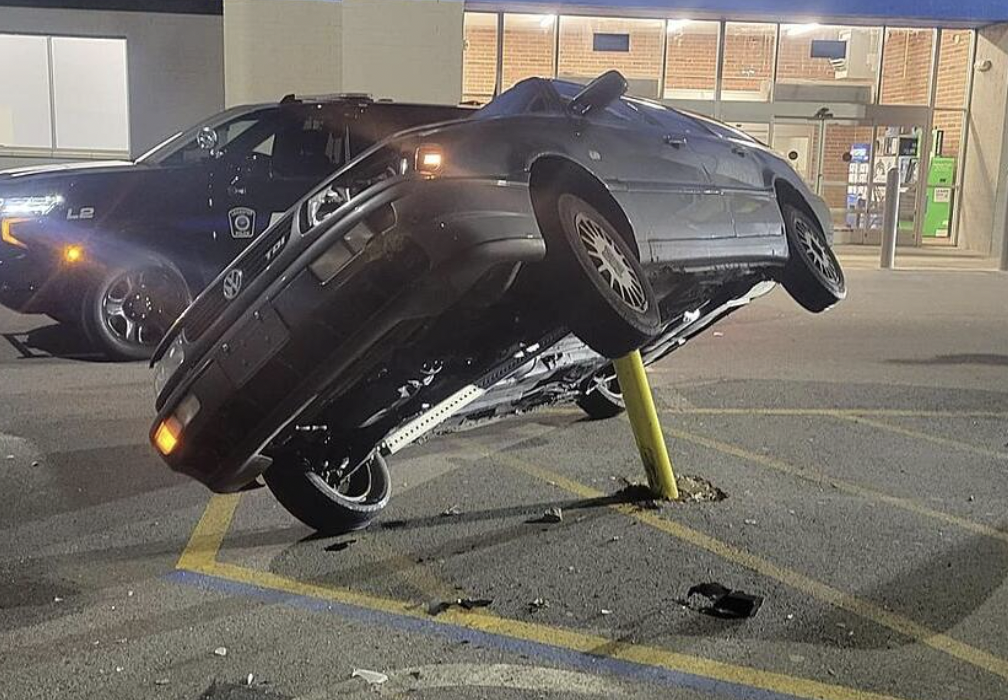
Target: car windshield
column 183, row 147
column 527, row 97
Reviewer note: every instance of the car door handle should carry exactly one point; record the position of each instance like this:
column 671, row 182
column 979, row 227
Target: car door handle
column 675, row 141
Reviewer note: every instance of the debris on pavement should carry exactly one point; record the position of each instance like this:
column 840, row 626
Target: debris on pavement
column 371, row 677
column 161, row 681
column 220, row 651
column 538, row 604
column 725, row 602
column 605, row 611
column 551, row 515
column 696, row 489
column 440, row 606
column 248, row 679
column 451, row 511
column 339, row 546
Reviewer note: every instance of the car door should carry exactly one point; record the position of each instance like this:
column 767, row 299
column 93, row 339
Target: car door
column 271, row 169
column 734, row 168
column 665, row 189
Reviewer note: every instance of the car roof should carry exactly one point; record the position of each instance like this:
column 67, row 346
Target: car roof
column 362, row 98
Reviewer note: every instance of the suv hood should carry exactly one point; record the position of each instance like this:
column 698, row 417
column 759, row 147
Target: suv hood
column 16, row 174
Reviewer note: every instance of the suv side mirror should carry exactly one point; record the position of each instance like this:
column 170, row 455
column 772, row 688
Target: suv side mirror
column 206, row 138
column 599, row 93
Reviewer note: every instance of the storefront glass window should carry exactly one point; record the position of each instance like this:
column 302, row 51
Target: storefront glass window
column 528, row 47
column 906, row 66
column 748, row 61
column 813, row 54
column 590, row 46
column 691, row 59
column 479, row 58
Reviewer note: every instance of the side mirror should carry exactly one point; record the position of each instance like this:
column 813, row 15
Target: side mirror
column 206, row 138
column 599, row 93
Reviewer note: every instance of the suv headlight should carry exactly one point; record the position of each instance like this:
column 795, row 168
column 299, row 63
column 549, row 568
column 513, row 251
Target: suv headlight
column 28, row 207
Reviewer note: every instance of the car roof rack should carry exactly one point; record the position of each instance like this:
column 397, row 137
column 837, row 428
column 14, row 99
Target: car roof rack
column 330, row 97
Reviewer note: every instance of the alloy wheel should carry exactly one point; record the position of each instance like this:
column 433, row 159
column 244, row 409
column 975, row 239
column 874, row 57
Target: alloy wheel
column 140, row 305
column 816, row 251
column 610, row 263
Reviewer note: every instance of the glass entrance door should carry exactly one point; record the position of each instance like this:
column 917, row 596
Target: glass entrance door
column 845, row 161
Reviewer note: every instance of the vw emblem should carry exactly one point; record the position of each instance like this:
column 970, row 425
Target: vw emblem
column 232, row 284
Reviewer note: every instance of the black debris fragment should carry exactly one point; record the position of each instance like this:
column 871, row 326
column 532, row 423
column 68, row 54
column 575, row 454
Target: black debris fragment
column 451, row 511
column 339, row 546
column 438, row 607
column 725, row 602
column 552, row 515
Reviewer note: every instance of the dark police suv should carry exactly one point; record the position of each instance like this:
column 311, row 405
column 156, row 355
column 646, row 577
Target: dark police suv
column 120, row 248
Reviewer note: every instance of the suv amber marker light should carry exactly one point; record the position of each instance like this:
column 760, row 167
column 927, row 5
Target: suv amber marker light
column 73, row 253
column 166, row 437
column 429, row 160
column 7, row 235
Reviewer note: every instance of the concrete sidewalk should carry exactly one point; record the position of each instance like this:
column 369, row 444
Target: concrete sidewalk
column 929, row 257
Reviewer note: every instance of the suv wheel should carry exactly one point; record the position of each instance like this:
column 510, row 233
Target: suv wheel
column 131, row 308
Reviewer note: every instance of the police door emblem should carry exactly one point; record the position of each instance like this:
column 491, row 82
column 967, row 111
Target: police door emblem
column 242, row 221
column 232, row 284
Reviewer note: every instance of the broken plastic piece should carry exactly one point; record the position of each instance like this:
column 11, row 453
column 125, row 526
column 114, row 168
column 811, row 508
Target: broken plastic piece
column 372, row 677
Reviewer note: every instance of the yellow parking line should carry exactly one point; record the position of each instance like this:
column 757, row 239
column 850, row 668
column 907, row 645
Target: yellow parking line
column 824, row 592
column 839, row 412
column 918, row 435
column 200, row 556
column 840, row 484
column 200, row 553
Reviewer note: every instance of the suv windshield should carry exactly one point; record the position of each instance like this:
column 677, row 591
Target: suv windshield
column 183, row 148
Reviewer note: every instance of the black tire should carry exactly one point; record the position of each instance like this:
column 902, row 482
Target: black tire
column 131, row 308
column 812, row 276
column 331, row 501
column 601, row 396
column 603, row 293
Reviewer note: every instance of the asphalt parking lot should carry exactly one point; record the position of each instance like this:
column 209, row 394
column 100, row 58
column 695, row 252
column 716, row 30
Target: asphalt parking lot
column 864, row 454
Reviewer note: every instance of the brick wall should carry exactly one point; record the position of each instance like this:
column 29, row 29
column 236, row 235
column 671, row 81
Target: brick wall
column 692, row 61
column 748, row 57
column 906, row 66
column 953, row 68
column 641, row 62
column 479, row 58
column 528, row 51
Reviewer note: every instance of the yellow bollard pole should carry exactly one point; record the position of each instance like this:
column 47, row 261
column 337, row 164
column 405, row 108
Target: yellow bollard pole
column 646, row 427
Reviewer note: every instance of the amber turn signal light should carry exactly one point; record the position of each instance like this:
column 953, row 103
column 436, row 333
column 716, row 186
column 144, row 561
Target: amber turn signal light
column 167, row 435
column 7, row 235
column 73, row 254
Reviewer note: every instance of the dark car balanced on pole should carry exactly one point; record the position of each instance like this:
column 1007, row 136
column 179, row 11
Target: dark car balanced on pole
column 474, row 268
column 120, row 248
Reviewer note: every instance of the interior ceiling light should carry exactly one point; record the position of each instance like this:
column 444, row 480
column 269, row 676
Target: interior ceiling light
column 799, row 29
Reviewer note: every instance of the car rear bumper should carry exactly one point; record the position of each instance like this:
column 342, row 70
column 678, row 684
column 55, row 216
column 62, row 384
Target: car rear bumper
column 280, row 350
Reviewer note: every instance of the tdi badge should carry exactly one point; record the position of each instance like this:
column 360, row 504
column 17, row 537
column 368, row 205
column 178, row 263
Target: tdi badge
column 242, row 222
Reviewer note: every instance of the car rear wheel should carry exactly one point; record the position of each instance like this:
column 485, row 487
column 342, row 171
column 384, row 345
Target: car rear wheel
column 605, row 297
column 813, row 276
column 326, row 489
column 602, row 396
column 131, row 308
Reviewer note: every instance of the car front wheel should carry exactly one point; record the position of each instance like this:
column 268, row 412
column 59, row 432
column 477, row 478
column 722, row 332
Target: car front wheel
column 325, row 488
column 813, row 276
